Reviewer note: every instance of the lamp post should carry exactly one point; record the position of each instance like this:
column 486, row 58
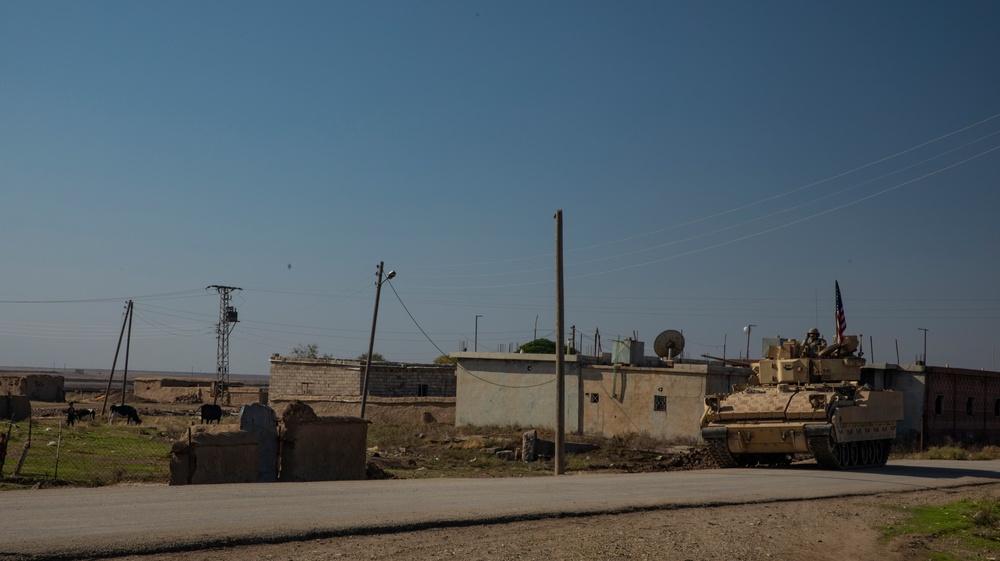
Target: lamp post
column 371, row 340
column 475, row 340
column 925, row 344
column 747, row 330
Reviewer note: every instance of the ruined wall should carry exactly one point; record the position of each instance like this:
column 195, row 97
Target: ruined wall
column 321, row 448
column 15, row 407
column 153, row 389
column 248, row 395
column 216, row 454
column 194, row 390
column 36, row 387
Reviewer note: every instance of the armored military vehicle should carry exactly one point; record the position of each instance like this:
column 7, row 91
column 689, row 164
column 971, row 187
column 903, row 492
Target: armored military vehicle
column 799, row 401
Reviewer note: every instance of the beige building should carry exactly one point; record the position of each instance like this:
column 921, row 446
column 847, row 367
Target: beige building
column 397, row 392
column 662, row 398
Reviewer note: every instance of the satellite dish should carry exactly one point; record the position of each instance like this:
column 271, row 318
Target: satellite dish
column 669, row 344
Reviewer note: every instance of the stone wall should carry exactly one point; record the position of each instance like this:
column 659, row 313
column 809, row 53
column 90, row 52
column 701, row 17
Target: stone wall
column 297, row 378
column 389, row 410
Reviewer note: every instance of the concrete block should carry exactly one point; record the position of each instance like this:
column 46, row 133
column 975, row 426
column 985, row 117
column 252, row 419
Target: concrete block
column 261, row 423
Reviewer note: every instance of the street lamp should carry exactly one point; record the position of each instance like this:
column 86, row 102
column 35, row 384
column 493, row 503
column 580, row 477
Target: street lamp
column 371, row 340
column 747, row 330
column 925, row 344
column 475, row 343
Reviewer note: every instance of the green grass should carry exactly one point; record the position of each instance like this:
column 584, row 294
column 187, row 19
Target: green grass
column 954, row 531
column 88, row 454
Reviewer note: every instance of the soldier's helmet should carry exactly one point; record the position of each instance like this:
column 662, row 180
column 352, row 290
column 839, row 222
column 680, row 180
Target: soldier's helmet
column 814, row 331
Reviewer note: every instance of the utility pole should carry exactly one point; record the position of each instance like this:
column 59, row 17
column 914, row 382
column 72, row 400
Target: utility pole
column 560, row 358
column 925, row 344
column 371, row 340
column 475, row 343
column 227, row 320
column 126, row 320
column 748, row 329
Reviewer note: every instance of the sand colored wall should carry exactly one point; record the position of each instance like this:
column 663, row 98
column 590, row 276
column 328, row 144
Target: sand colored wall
column 321, row 448
column 214, row 454
column 36, row 387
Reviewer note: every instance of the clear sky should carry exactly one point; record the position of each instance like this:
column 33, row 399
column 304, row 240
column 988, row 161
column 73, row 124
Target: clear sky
column 718, row 164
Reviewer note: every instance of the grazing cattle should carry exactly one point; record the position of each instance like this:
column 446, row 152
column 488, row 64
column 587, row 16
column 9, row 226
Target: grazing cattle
column 210, row 412
column 127, row 411
column 82, row 414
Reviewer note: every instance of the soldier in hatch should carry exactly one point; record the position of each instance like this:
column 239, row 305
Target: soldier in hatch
column 813, row 343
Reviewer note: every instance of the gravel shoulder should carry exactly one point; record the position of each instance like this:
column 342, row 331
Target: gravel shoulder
column 828, row 529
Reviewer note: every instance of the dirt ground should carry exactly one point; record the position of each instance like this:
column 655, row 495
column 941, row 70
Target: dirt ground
column 820, row 530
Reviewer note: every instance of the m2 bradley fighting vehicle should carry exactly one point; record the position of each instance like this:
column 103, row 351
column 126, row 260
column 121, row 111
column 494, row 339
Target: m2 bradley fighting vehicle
column 804, row 398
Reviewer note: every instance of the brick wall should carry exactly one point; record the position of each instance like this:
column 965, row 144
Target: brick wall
column 962, row 405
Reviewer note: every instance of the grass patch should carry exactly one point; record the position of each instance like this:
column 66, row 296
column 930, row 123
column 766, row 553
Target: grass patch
column 959, row 530
column 87, row 454
column 953, row 451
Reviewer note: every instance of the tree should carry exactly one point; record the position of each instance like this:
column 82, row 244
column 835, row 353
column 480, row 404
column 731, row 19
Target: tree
column 544, row 347
column 444, row 360
column 308, row 351
column 539, row 346
column 376, row 357
column 305, row 351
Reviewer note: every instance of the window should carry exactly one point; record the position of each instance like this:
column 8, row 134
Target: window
column 421, row 390
column 659, row 403
column 938, row 404
column 969, row 403
column 595, row 398
column 996, row 408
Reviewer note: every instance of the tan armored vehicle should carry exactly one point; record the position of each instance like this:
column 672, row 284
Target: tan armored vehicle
column 803, row 401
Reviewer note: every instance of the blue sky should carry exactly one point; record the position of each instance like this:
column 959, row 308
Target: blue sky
column 718, row 164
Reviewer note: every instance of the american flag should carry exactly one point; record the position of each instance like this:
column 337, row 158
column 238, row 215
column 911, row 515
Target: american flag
column 841, row 320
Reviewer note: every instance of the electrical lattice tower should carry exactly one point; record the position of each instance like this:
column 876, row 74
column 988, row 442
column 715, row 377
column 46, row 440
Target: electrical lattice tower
column 227, row 320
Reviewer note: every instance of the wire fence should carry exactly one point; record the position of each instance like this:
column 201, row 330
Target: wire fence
column 88, row 453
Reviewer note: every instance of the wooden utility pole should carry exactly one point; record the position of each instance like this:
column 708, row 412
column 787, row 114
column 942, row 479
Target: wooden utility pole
column 560, row 353
column 371, row 340
column 111, row 377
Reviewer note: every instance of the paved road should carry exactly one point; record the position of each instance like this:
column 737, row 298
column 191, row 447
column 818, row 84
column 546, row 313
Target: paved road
column 72, row 523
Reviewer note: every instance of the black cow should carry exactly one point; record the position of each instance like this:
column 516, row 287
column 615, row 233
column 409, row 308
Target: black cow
column 127, row 411
column 82, row 414
column 210, row 412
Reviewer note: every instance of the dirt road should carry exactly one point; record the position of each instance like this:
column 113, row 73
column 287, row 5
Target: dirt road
column 777, row 511
column 820, row 530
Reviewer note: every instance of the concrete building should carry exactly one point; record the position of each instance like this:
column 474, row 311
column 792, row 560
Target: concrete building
column 397, row 392
column 662, row 398
column 944, row 404
column 665, row 399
